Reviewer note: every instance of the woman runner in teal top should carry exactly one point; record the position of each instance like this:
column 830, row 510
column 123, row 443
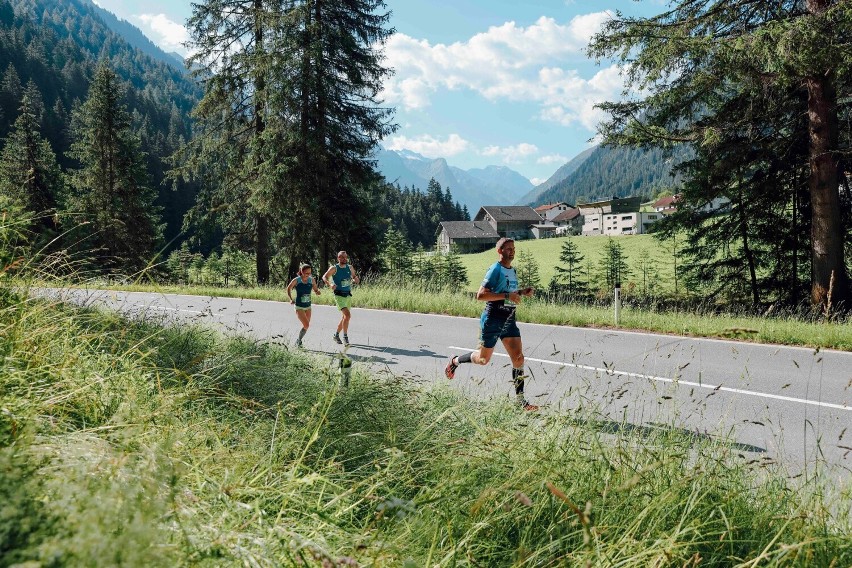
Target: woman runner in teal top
column 304, row 285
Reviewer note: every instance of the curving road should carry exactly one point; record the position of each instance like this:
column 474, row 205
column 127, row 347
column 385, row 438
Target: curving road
column 789, row 404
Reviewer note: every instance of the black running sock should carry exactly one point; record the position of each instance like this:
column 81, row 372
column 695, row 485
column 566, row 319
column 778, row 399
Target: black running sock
column 463, row 358
column 518, row 380
column 302, row 333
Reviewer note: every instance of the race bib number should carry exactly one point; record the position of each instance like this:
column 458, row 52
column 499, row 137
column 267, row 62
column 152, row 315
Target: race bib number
column 305, row 299
column 345, row 283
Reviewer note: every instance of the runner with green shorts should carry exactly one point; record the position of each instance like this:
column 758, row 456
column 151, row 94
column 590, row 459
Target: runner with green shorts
column 340, row 277
column 304, row 285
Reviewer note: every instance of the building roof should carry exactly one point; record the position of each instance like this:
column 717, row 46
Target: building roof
column 665, row 202
column 549, row 206
column 469, row 230
column 567, row 215
column 509, row 213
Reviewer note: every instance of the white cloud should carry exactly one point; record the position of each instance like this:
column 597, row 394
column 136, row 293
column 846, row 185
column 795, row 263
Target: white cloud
column 552, row 159
column 537, row 181
column 571, row 99
column 430, row 146
column 169, row 35
column 508, row 62
column 511, row 154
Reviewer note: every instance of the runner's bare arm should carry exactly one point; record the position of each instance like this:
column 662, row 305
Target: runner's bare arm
column 486, row 295
column 290, row 287
column 355, row 278
column 316, row 288
column 328, row 274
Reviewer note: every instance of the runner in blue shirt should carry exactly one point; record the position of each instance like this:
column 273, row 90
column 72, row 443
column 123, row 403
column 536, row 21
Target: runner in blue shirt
column 500, row 292
column 340, row 278
column 304, row 284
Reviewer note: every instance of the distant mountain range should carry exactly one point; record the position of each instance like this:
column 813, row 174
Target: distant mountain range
column 134, row 36
column 492, row 185
column 598, row 172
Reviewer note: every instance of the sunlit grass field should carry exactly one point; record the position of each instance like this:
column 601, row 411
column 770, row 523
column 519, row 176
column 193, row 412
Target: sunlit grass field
column 129, row 443
column 658, row 257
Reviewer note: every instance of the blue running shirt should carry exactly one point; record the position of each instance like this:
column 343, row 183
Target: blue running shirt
column 500, row 280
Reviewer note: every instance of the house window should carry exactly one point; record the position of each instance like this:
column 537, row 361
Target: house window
column 626, row 217
column 652, row 216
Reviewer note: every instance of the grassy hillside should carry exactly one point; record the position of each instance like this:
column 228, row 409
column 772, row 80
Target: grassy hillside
column 128, row 444
column 657, row 255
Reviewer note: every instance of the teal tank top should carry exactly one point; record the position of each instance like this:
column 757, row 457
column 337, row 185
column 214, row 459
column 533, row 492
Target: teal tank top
column 303, row 292
column 343, row 278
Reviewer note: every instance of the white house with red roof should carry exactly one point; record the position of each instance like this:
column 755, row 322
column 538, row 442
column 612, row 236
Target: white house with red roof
column 552, row 210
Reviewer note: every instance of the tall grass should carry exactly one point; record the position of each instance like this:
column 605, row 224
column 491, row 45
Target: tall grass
column 130, row 443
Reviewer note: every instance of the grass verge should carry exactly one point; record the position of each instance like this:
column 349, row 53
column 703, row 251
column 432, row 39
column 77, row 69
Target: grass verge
column 128, row 443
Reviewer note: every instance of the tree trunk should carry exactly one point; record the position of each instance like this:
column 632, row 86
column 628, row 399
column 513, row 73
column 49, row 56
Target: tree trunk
column 747, row 252
column 262, row 228
column 262, row 249
column 826, row 229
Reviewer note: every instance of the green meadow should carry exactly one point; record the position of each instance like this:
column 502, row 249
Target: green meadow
column 651, row 261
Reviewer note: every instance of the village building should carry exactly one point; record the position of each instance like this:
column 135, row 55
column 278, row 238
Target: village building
column 569, row 222
column 616, row 216
column 467, row 236
column 513, row 221
column 550, row 211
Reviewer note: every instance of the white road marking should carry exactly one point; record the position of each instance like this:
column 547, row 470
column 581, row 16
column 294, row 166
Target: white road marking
column 676, row 381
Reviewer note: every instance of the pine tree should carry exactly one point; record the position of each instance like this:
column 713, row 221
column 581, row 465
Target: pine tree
column 527, row 269
column 396, row 255
column 420, row 266
column 288, row 124
column 230, row 154
column 109, row 191
column 331, row 77
column 568, row 274
column 453, row 273
column 29, row 173
column 762, row 76
column 613, row 264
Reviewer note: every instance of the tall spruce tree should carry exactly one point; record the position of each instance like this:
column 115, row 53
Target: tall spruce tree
column 230, row 151
column 110, row 201
column 29, row 173
column 747, row 73
column 287, row 125
column 330, row 75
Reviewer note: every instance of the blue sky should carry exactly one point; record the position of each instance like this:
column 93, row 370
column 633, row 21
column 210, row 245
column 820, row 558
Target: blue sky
column 478, row 82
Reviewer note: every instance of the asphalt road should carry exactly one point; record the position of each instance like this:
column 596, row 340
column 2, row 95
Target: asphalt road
column 789, row 404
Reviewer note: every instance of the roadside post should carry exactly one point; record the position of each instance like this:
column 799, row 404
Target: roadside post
column 617, row 302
